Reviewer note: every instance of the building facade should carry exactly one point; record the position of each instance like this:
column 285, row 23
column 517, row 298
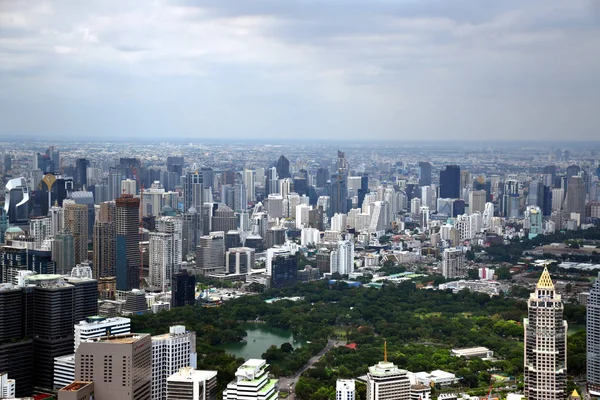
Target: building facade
column 593, row 339
column 545, row 347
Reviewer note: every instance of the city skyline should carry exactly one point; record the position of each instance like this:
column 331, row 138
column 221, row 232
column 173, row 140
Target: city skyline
column 362, row 71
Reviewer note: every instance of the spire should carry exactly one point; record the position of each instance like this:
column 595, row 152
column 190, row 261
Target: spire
column 545, row 281
column 385, row 351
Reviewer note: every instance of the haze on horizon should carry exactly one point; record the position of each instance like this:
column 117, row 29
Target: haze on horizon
column 329, row 69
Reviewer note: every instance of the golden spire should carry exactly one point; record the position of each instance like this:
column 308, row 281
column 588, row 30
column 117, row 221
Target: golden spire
column 385, row 351
column 575, row 394
column 545, row 281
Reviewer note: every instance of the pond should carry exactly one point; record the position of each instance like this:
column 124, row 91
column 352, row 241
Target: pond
column 259, row 338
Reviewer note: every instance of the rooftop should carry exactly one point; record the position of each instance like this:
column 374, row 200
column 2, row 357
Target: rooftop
column 75, row 386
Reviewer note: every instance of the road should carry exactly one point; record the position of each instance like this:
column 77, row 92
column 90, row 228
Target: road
column 289, row 382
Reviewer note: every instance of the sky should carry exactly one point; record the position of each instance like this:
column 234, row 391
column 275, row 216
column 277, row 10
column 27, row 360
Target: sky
column 386, row 70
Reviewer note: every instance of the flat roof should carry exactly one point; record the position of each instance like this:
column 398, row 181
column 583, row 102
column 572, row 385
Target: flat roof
column 75, row 386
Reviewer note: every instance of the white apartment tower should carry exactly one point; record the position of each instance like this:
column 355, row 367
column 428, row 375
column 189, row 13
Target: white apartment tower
column 171, row 352
column 252, row 383
column 593, row 339
column 160, row 260
column 545, row 348
column 345, row 389
column 342, row 259
column 453, row 264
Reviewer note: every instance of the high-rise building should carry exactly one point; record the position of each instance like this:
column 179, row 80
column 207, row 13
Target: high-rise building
column 91, row 327
column 533, row 214
column 477, row 200
column 593, row 339
column 191, row 384
column 171, row 352
column 284, row 271
column 224, row 219
column 283, row 168
column 239, row 260
column 193, row 189
column 342, row 259
column 575, row 201
column 183, row 289
column 127, row 241
column 40, row 228
column 120, row 366
column 424, row 173
column 545, row 346
column 250, row 187
column 252, row 383
column 129, row 186
column 345, row 389
column 450, row 182
column 453, row 264
column 7, row 386
column 153, row 200
column 385, row 381
column 80, row 178
column 76, row 222
column 16, row 203
column 160, row 260
column 210, row 254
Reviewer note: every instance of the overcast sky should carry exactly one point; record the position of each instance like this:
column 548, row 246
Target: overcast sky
column 288, row 69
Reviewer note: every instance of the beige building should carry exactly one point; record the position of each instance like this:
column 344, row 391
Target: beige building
column 76, row 222
column 385, row 381
column 120, row 366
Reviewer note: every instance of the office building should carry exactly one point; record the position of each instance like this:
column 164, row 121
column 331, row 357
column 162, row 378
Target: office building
column 533, row 214
column 191, row 384
column 91, row 327
column 193, row 189
column 284, row 271
column 545, row 347
column 120, row 366
column 183, row 289
column 477, row 200
column 171, row 352
column 424, row 173
column 450, row 182
column 575, row 200
column 210, row 254
column 249, row 183
column 153, row 202
column 16, row 203
column 310, row 237
column 345, row 389
column 453, row 264
column 224, row 219
column 104, row 242
column 239, row 260
column 385, row 381
column 283, row 168
column 252, row 383
column 40, row 228
column 593, row 339
column 127, row 242
column 76, row 222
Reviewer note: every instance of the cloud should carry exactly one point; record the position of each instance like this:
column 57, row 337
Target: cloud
column 300, row 69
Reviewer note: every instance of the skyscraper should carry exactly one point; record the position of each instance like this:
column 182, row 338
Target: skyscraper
column 450, row 182
column 575, row 201
column 193, row 189
column 104, row 241
column 593, row 339
column 16, row 202
column 76, row 222
column 224, row 219
column 284, row 271
column 545, row 346
column 81, row 165
column 127, row 241
column 160, row 260
column 342, row 259
column 249, row 182
column 424, row 173
column 210, row 254
column 283, row 168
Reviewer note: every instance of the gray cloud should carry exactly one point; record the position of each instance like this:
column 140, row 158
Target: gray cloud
column 402, row 70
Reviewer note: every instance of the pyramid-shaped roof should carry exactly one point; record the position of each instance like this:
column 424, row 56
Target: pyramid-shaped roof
column 545, row 281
